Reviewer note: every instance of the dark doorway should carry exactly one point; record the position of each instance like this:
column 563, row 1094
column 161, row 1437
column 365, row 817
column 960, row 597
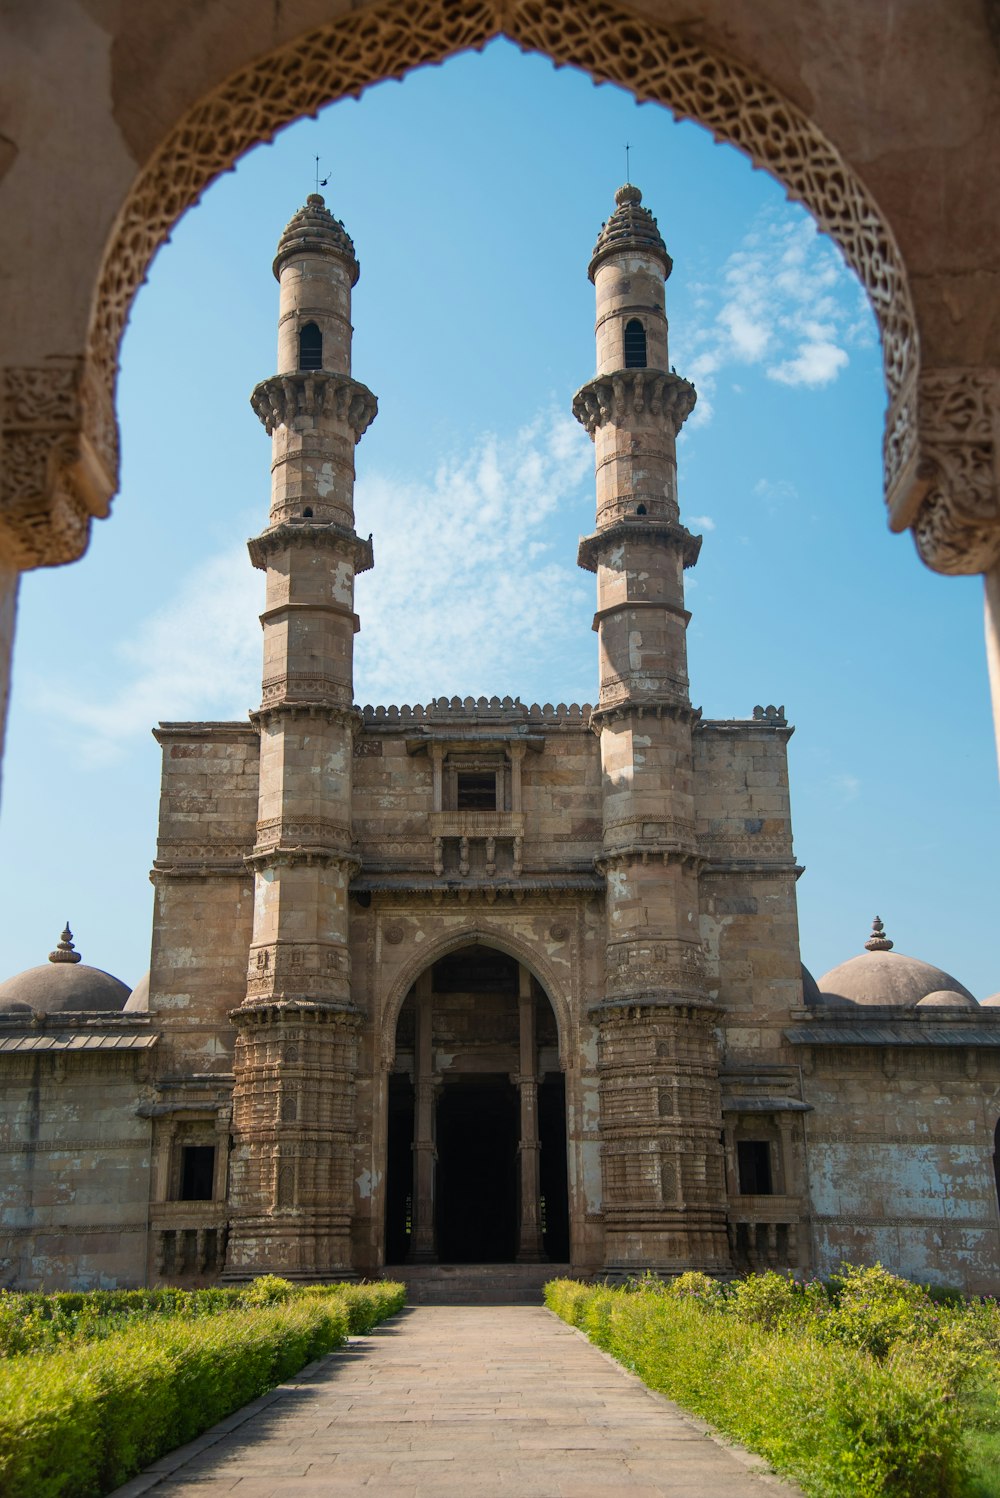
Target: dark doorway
column 477, row 1133
column 399, row 1172
column 552, row 1163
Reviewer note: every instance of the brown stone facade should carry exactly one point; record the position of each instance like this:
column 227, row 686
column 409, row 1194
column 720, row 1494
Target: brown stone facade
column 477, row 980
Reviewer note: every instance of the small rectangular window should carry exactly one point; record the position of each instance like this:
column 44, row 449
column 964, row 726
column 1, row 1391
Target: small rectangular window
column 197, row 1172
column 476, row 790
column 754, row 1159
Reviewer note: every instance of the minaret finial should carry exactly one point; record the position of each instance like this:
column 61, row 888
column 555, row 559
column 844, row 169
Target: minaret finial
column 878, row 941
column 627, row 149
column 65, row 951
column 325, row 180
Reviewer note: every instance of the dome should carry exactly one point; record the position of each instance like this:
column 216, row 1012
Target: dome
column 315, row 231
column 630, row 227
column 810, row 988
column 138, row 999
column 993, row 1002
column 63, row 985
column 880, row 976
column 947, row 998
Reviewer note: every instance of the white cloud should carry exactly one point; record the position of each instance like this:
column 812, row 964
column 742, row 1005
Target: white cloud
column 849, row 786
column 784, row 303
column 452, row 608
column 462, row 600
column 702, row 522
column 199, row 656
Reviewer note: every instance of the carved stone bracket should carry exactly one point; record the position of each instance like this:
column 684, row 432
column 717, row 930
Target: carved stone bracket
column 59, row 461
column 283, row 398
column 957, row 524
column 633, row 392
column 331, row 537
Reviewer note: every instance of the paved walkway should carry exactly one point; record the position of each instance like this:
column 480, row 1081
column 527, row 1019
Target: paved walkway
column 470, row 1401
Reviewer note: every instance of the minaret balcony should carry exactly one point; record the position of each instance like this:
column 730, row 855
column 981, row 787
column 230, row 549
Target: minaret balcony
column 626, row 394
column 310, row 536
column 286, row 398
column 637, row 528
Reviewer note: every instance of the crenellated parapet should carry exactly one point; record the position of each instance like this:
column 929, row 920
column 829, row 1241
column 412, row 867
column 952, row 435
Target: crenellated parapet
column 312, row 537
column 630, row 393
column 286, row 398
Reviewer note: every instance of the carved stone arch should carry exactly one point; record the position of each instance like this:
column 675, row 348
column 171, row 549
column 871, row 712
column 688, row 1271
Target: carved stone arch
column 945, row 488
column 484, row 933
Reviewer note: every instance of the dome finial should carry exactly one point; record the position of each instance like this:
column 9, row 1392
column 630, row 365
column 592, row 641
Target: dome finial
column 65, row 951
column 878, row 941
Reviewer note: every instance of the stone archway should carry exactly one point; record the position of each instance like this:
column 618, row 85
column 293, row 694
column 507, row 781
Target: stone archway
column 476, row 1140
column 654, row 62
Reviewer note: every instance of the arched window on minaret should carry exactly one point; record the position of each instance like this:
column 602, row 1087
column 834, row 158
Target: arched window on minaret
column 311, row 347
column 635, row 344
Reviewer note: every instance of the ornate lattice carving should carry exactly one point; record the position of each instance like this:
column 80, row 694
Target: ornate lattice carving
column 610, row 43
column 957, row 527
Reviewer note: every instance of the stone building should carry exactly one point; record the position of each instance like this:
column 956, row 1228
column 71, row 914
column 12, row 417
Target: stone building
column 476, row 981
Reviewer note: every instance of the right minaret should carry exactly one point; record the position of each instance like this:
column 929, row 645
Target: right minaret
column 662, row 1160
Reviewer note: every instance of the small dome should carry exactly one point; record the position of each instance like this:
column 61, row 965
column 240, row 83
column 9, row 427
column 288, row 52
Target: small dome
column 993, row 1002
column 138, row 999
column 63, row 985
column 880, row 976
column 947, row 998
column 315, row 231
column 630, row 227
column 810, row 988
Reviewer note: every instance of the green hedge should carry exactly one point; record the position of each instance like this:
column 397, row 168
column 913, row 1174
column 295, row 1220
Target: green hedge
column 78, row 1421
column 857, row 1391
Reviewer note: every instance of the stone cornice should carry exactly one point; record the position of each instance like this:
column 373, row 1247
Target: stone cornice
column 686, row 853
column 311, row 855
column 204, row 868
column 627, row 393
column 314, row 537
column 637, row 528
column 283, row 398
column 223, row 732
column 691, row 1004
column 683, row 712
column 347, row 717
column 547, row 888
column 279, row 1008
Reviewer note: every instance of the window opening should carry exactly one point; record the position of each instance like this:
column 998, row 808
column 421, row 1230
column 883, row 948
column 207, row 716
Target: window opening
column 754, row 1160
column 311, row 347
column 476, row 791
column 197, row 1172
column 635, row 344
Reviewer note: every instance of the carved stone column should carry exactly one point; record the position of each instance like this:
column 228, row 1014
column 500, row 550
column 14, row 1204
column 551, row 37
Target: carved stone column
column 530, row 1248
column 422, row 1246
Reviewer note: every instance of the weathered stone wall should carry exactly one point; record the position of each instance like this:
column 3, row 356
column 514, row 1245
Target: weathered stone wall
column 203, row 907
column 900, row 1160
column 749, row 918
column 74, row 1182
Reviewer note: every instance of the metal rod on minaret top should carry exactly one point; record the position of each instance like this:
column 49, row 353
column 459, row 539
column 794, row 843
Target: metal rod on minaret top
column 627, row 177
column 325, row 180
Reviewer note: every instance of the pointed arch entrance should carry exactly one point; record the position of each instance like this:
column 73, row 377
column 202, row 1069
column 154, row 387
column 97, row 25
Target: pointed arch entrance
column 476, row 1140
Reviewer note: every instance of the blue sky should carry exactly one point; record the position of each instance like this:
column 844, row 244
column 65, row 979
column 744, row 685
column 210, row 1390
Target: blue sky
column 474, row 193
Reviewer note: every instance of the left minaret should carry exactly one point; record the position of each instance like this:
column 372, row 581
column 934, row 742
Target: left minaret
column 297, row 1029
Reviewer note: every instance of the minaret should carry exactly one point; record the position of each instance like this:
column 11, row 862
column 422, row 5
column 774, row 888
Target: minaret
column 663, row 1164
column 295, row 1062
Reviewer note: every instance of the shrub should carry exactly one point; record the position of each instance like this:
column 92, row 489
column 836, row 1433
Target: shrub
column 828, row 1413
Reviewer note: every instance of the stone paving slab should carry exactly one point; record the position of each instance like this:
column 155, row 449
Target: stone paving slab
column 475, row 1401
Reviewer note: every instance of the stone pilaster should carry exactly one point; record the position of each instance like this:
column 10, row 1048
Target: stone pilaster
column 664, row 1186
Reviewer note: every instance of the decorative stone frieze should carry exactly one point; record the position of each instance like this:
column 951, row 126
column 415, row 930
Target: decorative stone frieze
column 637, row 528
column 957, row 525
column 285, row 398
column 630, row 393
column 307, row 536
column 56, row 475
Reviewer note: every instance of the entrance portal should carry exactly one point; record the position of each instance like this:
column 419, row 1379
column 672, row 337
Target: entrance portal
column 476, row 1147
column 476, row 1206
